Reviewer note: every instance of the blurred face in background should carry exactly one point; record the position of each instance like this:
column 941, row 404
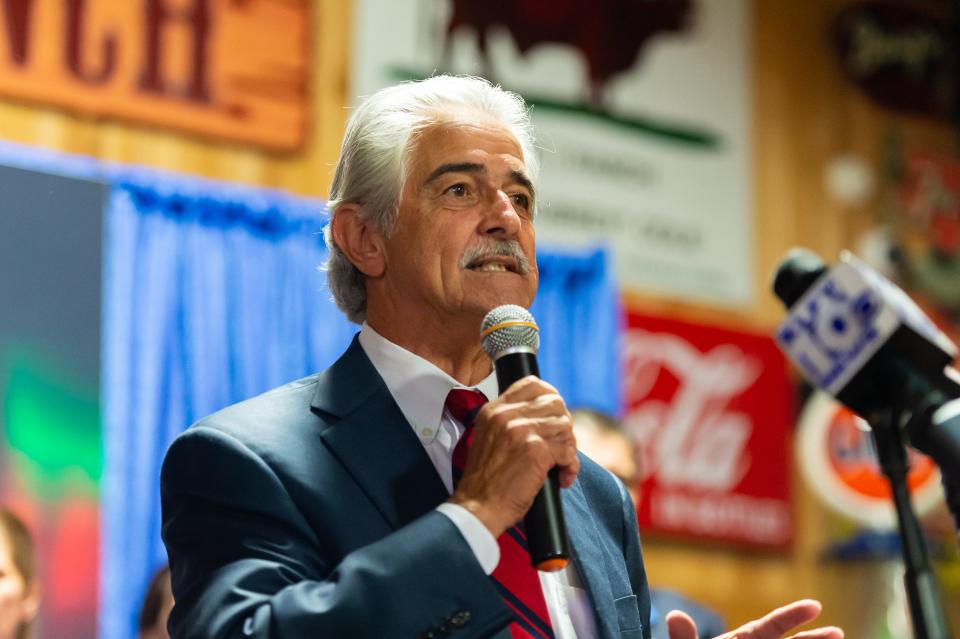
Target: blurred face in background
column 157, row 604
column 19, row 596
column 608, row 447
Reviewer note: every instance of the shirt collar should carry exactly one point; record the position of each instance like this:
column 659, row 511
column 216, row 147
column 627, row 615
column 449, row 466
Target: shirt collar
column 419, row 387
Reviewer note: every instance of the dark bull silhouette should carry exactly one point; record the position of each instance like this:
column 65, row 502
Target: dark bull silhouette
column 610, row 34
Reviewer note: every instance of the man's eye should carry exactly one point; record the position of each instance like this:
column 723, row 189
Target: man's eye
column 521, row 200
column 458, row 190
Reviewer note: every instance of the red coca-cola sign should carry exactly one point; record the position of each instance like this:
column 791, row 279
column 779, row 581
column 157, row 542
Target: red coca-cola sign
column 710, row 411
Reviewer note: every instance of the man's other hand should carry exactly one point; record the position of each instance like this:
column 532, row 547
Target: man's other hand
column 519, row 437
column 773, row 626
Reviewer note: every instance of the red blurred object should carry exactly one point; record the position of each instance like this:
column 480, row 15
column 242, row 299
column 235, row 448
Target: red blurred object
column 710, row 410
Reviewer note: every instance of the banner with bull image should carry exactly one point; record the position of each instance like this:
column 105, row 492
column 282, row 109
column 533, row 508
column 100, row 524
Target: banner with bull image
column 641, row 109
column 709, row 411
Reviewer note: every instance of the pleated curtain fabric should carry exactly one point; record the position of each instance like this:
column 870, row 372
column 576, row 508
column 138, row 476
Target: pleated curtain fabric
column 211, row 295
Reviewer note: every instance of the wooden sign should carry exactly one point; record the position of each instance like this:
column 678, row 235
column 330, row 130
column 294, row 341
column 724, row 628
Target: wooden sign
column 235, row 69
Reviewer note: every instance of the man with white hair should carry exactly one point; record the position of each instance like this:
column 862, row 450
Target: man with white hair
column 380, row 497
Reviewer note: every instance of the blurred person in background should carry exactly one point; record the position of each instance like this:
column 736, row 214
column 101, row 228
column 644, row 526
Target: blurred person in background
column 157, row 604
column 600, row 438
column 19, row 586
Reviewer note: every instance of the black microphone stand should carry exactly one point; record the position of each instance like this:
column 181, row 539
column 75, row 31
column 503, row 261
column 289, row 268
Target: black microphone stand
column 923, row 593
column 951, row 488
column 935, row 431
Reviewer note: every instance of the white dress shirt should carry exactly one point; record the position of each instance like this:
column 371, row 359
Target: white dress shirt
column 420, row 390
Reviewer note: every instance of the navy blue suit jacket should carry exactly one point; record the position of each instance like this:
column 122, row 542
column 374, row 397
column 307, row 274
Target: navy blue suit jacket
column 309, row 512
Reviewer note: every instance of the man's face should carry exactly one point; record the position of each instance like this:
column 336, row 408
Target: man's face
column 464, row 239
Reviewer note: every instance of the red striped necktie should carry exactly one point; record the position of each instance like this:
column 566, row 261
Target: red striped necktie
column 515, row 579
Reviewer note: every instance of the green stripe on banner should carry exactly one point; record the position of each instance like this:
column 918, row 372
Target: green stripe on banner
column 53, row 423
column 676, row 133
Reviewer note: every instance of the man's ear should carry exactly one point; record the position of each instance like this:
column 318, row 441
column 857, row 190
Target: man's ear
column 359, row 239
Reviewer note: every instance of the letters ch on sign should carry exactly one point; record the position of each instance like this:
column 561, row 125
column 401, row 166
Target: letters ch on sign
column 159, row 17
column 219, row 67
column 694, row 440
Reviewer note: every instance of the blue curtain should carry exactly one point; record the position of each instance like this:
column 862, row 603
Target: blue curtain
column 211, row 296
column 581, row 322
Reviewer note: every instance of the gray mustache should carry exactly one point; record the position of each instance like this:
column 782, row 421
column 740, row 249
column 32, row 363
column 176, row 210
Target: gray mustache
column 493, row 247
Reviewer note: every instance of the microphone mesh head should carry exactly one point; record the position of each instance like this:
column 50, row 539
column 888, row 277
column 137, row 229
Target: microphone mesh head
column 506, row 327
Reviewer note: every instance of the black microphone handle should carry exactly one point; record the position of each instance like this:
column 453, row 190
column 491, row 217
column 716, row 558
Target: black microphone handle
column 544, row 523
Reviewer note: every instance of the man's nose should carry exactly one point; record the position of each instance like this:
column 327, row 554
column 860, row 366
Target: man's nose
column 502, row 219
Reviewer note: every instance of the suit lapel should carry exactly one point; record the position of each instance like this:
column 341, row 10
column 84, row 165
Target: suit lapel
column 369, row 435
column 588, row 556
column 364, row 428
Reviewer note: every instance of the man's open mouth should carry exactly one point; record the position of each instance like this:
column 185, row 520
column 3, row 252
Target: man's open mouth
column 494, row 266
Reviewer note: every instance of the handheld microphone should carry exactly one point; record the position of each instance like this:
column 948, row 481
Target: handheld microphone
column 858, row 337
column 510, row 337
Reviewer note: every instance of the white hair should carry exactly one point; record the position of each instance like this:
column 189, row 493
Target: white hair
column 376, row 146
